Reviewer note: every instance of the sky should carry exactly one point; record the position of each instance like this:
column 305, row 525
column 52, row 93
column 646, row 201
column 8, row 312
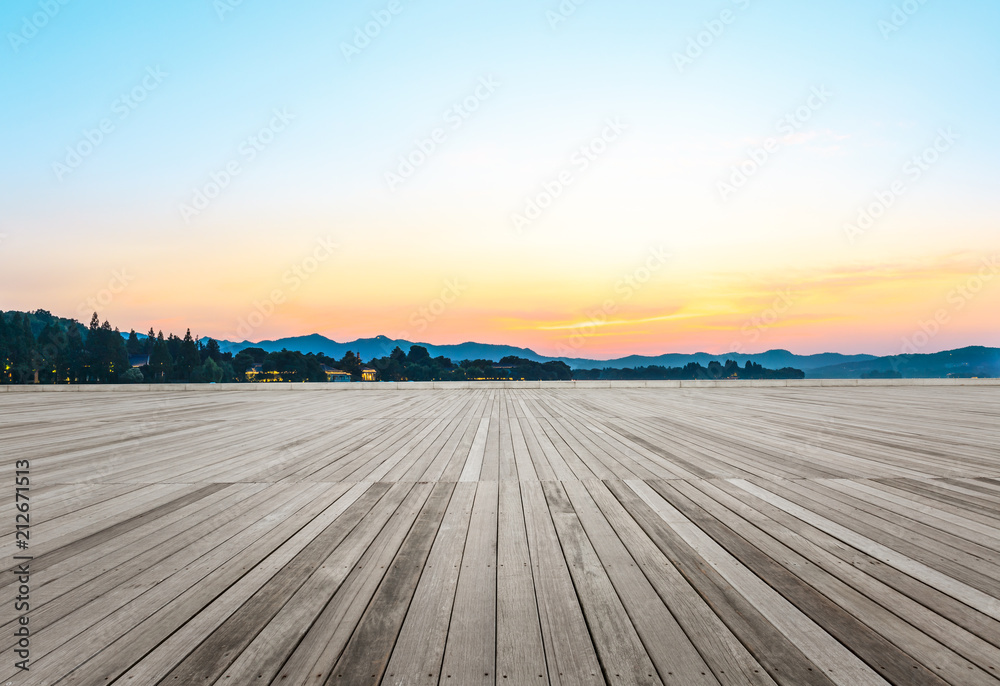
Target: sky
column 582, row 177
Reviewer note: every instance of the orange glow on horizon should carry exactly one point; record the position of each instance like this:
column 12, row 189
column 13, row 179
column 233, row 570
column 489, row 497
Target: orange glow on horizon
column 570, row 306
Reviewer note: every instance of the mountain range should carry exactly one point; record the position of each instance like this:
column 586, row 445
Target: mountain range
column 971, row 361
column 974, row 361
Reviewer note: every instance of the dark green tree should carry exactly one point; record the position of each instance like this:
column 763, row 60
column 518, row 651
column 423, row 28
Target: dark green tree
column 351, row 363
column 208, row 372
column 133, row 345
column 174, row 346
column 106, row 354
column 4, row 349
column 132, row 376
column 212, row 351
column 161, row 362
column 21, row 351
column 50, row 343
column 294, row 366
column 418, row 355
column 187, row 359
column 228, row 374
column 72, row 360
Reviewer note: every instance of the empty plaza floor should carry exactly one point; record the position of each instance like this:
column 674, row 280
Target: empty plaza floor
column 459, row 536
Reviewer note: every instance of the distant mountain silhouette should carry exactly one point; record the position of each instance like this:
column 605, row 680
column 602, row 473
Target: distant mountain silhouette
column 772, row 359
column 964, row 362
column 381, row 346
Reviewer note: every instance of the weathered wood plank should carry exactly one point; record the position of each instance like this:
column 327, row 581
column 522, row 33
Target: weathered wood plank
column 569, row 651
column 727, row 658
column 367, row 653
column 623, row 658
column 520, row 653
column 878, row 653
column 318, row 651
column 932, row 577
column 470, row 653
column 222, row 646
column 675, row 658
column 419, row 649
column 783, row 660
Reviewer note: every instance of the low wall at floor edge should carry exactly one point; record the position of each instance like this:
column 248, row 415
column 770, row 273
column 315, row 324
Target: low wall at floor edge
column 416, row 385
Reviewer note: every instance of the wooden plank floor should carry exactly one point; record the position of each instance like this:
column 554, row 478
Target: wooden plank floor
column 844, row 536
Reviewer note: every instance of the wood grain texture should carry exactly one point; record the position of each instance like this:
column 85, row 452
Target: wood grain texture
column 518, row 536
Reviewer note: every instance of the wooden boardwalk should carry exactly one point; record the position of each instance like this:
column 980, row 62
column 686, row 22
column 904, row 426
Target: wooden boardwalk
column 796, row 536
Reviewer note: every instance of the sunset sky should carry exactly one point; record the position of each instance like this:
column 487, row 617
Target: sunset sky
column 629, row 177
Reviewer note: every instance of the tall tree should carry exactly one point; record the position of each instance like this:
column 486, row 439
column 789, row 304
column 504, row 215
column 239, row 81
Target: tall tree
column 188, row 357
column 117, row 354
column 161, row 362
column 5, row 347
column 174, row 346
column 134, row 346
column 22, row 344
column 94, row 349
column 106, row 352
column 351, row 363
column 50, row 342
column 418, row 355
column 72, row 359
column 212, row 350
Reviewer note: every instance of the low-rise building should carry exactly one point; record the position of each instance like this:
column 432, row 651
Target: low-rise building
column 336, row 375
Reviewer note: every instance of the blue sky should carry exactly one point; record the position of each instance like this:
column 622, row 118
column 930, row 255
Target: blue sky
column 224, row 73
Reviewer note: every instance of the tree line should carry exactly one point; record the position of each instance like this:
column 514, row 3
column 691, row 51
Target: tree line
column 38, row 347
column 418, row 365
column 692, row 371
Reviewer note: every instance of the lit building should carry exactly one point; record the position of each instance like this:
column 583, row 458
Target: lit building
column 336, row 375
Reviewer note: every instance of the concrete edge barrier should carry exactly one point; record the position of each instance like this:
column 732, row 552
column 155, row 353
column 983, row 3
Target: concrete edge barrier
column 441, row 385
